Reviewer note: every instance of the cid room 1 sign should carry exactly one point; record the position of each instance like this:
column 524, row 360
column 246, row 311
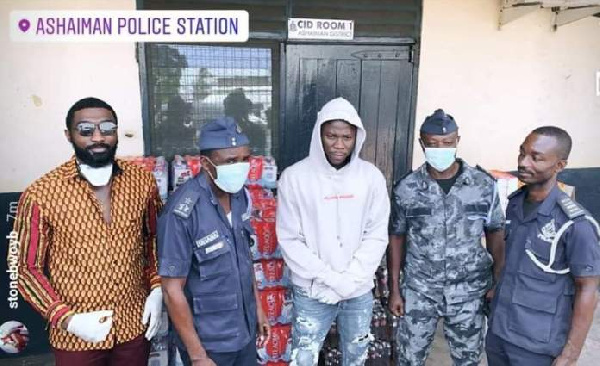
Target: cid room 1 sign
column 326, row 29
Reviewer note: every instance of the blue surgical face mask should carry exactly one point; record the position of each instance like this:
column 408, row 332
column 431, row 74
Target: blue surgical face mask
column 230, row 177
column 440, row 158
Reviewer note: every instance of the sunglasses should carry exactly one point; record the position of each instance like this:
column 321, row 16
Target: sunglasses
column 87, row 129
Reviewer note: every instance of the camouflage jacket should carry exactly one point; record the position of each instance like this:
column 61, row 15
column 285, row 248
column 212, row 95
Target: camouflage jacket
column 444, row 254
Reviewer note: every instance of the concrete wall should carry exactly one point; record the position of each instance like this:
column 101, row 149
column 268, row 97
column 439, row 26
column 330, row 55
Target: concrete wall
column 500, row 84
column 41, row 81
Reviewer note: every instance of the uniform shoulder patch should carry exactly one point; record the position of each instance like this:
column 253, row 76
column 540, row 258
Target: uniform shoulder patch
column 571, row 208
column 409, row 172
column 478, row 167
column 510, row 196
column 185, row 204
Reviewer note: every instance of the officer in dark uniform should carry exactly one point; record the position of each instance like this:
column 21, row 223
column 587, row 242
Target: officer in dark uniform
column 547, row 293
column 204, row 239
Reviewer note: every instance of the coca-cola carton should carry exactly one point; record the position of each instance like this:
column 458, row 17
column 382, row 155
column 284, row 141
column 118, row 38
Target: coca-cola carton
column 184, row 168
column 263, row 172
column 259, row 276
column 264, row 208
column 161, row 174
column 272, row 303
column 179, row 172
column 264, row 203
column 266, row 237
column 279, row 346
column 271, row 273
column 255, row 173
column 257, row 193
column 277, row 304
column 269, row 173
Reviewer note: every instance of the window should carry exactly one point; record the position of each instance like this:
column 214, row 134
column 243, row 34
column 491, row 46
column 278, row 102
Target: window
column 189, row 85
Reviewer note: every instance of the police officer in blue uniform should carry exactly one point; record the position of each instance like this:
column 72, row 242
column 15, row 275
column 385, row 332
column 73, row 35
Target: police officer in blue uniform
column 204, row 239
column 547, row 293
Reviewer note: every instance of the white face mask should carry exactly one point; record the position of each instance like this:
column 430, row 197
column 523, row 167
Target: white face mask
column 440, row 158
column 97, row 177
column 230, row 177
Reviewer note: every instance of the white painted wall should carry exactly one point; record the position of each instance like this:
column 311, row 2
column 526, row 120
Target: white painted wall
column 41, row 81
column 501, row 84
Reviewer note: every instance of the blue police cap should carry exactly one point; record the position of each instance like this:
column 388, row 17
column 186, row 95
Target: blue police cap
column 221, row 133
column 439, row 123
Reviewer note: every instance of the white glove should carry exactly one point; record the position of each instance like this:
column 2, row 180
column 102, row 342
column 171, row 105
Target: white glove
column 344, row 286
column 153, row 312
column 325, row 294
column 91, row 327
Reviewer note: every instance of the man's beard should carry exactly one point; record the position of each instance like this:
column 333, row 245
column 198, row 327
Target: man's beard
column 95, row 160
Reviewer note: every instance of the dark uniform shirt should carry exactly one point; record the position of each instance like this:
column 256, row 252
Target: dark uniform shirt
column 196, row 241
column 532, row 307
column 444, row 257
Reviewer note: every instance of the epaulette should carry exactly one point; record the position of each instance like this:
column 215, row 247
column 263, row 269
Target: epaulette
column 185, row 203
column 478, row 167
column 403, row 177
column 510, row 196
column 571, row 208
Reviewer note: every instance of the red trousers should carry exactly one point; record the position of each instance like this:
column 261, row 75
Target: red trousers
column 132, row 353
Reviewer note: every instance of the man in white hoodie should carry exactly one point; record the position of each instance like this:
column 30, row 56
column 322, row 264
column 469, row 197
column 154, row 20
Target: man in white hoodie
column 332, row 217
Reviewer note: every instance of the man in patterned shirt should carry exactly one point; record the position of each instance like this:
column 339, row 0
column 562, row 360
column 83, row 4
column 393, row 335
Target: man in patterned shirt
column 87, row 259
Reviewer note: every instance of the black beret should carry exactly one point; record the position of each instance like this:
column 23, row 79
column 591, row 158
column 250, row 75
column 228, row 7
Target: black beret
column 439, row 123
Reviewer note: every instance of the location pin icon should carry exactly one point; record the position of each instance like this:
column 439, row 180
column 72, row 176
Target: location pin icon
column 24, row 25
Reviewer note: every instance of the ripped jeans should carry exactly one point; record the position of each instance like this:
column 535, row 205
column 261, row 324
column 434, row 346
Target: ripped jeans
column 312, row 320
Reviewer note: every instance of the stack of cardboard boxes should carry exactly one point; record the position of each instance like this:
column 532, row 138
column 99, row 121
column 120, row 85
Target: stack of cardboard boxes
column 272, row 275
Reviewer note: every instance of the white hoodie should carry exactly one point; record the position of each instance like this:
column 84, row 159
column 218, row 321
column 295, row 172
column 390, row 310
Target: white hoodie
column 332, row 224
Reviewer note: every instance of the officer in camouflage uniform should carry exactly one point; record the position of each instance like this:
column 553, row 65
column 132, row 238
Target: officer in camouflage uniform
column 439, row 213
